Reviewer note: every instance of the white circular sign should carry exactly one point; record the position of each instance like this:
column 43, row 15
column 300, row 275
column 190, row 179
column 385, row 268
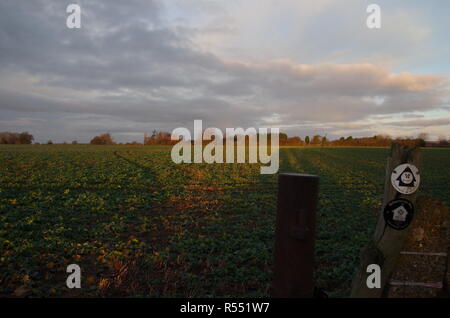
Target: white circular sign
column 405, row 178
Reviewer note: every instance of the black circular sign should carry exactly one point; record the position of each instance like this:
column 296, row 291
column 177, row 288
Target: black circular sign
column 399, row 213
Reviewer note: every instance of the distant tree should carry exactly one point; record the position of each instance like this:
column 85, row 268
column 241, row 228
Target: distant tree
column 421, row 139
column 307, row 140
column 317, row 139
column 49, row 142
column 104, row 139
column 7, row 138
column 12, row 138
column 74, row 142
column 25, row 138
column 423, row 136
column 443, row 140
column 294, row 141
column 158, row 138
column 282, row 139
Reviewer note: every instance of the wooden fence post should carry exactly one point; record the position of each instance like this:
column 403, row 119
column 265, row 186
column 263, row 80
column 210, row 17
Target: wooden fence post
column 295, row 235
column 385, row 247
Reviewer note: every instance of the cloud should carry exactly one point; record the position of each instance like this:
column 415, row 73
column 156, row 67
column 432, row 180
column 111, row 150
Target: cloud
column 128, row 70
column 422, row 123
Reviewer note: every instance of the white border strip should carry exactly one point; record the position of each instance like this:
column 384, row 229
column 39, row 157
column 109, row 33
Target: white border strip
column 424, row 253
column 405, row 283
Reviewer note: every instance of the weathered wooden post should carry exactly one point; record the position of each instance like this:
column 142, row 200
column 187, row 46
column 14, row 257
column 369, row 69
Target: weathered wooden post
column 295, row 235
column 400, row 191
column 423, row 262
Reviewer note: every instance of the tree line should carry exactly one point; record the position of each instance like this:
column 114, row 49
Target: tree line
column 164, row 138
column 157, row 138
column 11, row 138
column 375, row 141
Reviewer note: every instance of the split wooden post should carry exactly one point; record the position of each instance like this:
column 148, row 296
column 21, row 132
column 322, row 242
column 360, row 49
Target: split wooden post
column 295, row 235
column 385, row 247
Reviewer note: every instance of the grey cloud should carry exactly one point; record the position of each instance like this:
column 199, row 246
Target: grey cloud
column 421, row 122
column 126, row 64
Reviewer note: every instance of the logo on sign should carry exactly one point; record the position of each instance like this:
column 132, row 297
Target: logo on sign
column 405, row 178
column 398, row 214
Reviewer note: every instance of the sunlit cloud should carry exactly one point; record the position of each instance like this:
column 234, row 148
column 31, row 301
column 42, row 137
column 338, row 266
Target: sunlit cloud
column 306, row 67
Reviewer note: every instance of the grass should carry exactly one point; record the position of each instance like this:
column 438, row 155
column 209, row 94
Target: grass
column 139, row 225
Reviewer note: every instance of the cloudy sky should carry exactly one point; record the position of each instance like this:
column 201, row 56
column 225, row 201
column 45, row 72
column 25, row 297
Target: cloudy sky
column 308, row 67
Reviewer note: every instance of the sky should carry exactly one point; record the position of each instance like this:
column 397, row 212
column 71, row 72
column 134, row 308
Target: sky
column 306, row 67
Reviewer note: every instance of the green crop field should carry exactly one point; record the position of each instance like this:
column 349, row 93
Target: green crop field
column 140, row 225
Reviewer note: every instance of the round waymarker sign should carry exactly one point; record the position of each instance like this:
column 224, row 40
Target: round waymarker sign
column 405, row 178
column 398, row 214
